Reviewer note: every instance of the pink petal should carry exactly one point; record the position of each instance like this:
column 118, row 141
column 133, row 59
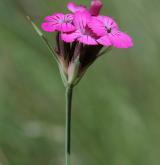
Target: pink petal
column 88, row 40
column 52, row 22
column 81, row 19
column 97, row 26
column 121, row 40
column 55, row 17
column 70, row 37
column 74, row 8
column 65, row 27
column 108, row 22
column 48, row 27
column 95, row 8
column 105, row 41
column 59, row 22
column 69, row 17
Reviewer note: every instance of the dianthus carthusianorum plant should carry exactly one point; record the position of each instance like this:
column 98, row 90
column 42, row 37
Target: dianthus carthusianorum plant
column 82, row 36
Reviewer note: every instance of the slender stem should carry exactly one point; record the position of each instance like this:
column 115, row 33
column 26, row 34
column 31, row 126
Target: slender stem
column 69, row 92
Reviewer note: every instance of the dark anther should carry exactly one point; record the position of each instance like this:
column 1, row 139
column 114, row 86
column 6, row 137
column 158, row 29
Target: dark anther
column 109, row 30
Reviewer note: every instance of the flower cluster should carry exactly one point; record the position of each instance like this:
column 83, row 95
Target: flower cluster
column 87, row 27
column 83, row 33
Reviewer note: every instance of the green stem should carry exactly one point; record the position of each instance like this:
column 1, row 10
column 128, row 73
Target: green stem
column 69, row 91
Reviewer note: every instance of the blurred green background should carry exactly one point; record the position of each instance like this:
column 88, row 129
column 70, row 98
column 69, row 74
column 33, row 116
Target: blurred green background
column 116, row 110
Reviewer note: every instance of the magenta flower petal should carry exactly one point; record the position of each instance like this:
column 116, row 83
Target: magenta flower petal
column 81, row 19
column 105, row 41
column 87, row 39
column 108, row 22
column 70, row 37
column 102, row 25
column 121, row 40
column 97, row 26
column 65, row 27
column 95, row 8
column 48, row 27
column 59, row 22
column 53, row 18
column 86, row 36
column 74, row 8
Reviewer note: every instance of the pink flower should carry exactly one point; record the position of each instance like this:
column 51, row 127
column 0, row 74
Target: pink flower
column 94, row 10
column 81, row 37
column 108, row 31
column 83, row 33
column 58, row 22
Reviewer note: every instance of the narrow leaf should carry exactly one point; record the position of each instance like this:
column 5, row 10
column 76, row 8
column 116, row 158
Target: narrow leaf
column 39, row 32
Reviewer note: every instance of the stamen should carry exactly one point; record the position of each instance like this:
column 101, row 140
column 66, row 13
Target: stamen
column 109, row 30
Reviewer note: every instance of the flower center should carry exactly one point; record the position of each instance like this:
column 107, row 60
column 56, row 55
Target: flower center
column 67, row 21
column 109, row 29
column 87, row 31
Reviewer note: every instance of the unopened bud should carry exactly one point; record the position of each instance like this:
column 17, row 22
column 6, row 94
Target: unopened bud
column 95, row 8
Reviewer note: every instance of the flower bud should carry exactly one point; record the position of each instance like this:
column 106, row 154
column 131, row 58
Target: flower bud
column 95, row 8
